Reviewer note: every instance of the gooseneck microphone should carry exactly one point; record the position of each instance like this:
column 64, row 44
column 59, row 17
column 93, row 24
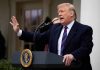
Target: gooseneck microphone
column 45, row 25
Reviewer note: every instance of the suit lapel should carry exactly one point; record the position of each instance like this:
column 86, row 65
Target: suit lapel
column 71, row 33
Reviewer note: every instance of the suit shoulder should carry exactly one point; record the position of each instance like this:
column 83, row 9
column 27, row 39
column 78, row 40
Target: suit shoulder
column 84, row 26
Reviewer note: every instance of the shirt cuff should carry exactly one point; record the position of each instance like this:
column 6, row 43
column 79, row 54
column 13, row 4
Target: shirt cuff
column 19, row 33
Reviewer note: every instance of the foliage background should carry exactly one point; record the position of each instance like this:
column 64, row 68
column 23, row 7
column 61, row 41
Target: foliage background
column 6, row 65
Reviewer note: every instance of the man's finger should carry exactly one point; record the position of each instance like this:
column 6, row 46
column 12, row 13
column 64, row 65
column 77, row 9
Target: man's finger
column 11, row 23
column 64, row 59
column 14, row 21
column 68, row 61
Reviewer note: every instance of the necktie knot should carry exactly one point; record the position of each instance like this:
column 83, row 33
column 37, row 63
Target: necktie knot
column 65, row 27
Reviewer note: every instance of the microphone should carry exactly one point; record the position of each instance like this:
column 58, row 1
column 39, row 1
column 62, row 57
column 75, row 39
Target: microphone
column 47, row 23
column 47, row 20
column 44, row 23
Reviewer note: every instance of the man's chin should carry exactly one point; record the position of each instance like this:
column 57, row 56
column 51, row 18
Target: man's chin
column 62, row 22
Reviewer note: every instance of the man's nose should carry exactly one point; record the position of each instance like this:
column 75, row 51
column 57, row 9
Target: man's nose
column 59, row 14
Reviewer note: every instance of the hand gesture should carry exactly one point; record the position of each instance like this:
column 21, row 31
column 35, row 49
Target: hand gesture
column 68, row 58
column 15, row 24
column 56, row 20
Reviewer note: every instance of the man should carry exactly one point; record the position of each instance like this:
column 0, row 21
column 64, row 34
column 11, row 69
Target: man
column 69, row 38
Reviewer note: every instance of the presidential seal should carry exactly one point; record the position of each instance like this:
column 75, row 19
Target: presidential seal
column 26, row 58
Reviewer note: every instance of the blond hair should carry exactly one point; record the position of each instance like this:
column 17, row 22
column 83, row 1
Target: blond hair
column 70, row 6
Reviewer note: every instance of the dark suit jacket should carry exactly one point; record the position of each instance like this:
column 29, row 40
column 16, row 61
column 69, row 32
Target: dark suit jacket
column 79, row 42
column 2, row 46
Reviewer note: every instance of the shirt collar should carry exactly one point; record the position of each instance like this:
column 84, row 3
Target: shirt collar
column 69, row 26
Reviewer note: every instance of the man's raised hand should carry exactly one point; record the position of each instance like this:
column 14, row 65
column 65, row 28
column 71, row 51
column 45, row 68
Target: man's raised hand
column 15, row 24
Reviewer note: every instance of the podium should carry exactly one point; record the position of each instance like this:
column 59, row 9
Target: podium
column 41, row 59
column 44, row 60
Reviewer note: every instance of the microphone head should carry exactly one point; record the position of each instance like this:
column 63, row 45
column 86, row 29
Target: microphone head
column 47, row 19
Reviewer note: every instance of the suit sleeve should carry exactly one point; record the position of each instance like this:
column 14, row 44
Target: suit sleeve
column 34, row 36
column 86, row 45
column 27, row 36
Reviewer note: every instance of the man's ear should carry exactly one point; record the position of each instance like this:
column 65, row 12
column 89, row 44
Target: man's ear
column 72, row 13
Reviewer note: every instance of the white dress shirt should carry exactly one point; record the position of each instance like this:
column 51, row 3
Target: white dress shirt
column 69, row 26
column 19, row 33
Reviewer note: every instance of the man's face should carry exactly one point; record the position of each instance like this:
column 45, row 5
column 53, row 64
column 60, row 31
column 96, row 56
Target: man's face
column 64, row 15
